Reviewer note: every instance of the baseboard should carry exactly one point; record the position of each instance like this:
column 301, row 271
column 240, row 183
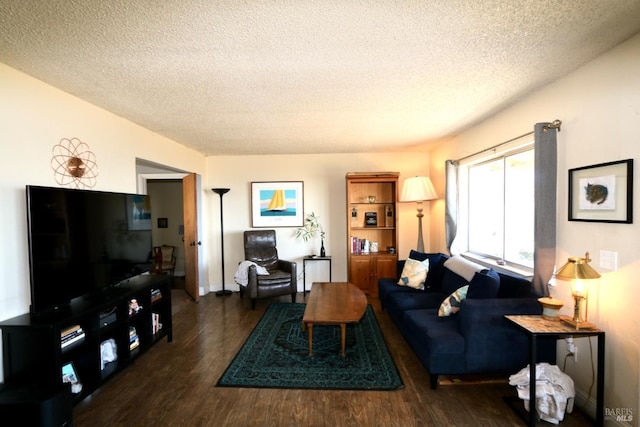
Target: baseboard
column 587, row 405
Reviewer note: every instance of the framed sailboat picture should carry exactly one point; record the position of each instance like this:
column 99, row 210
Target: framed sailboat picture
column 277, row 204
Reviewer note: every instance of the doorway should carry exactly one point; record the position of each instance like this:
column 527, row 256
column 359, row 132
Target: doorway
column 178, row 192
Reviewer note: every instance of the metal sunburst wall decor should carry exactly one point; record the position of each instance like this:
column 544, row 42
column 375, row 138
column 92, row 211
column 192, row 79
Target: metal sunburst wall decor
column 74, row 163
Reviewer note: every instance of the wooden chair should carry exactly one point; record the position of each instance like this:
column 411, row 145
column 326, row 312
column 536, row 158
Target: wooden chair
column 164, row 259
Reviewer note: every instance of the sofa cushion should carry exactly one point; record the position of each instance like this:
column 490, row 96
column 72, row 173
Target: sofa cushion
column 399, row 302
column 451, row 304
column 388, row 286
column 435, row 276
column 485, row 284
column 452, row 282
column 414, row 273
column 439, row 335
column 275, row 277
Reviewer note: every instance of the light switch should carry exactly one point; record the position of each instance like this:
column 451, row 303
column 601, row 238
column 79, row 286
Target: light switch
column 609, row 260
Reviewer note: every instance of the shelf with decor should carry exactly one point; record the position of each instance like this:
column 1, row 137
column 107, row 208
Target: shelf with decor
column 372, row 228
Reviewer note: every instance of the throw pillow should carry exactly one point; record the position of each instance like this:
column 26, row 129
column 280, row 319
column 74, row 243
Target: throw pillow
column 418, row 256
column 436, row 269
column 485, row 284
column 436, row 272
column 414, row 273
column 451, row 304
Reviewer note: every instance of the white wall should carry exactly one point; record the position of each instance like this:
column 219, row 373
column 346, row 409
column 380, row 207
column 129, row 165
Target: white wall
column 324, row 193
column 34, row 118
column 599, row 106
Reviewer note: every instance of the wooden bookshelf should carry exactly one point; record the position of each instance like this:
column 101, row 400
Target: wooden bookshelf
column 371, row 217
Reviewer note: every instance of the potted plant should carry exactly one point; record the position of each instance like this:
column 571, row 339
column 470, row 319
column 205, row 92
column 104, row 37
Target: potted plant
column 311, row 227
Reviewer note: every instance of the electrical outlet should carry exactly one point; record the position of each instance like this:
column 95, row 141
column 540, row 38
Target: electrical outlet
column 609, row 260
column 572, row 349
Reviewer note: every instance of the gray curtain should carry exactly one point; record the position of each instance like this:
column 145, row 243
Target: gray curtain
column 451, row 203
column 545, row 206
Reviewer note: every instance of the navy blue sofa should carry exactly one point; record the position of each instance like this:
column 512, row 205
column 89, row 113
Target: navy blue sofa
column 477, row 339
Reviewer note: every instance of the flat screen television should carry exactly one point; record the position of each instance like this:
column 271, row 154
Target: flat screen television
column 82, row 243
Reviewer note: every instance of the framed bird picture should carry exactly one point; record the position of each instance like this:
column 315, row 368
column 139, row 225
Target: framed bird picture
column 602, row 192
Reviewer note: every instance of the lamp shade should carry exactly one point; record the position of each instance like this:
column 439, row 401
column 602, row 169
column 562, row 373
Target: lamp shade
column 577, row 269
column 418, row 189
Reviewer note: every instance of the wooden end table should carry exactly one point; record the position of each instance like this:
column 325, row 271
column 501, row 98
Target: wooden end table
column 333, row 303
column 537, row 326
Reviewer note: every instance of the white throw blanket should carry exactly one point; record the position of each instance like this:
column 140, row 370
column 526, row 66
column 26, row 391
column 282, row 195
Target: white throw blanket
column 554, row 391
column 463, row 267
column 242, row 272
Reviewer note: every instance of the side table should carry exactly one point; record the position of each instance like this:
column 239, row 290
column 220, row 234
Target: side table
column 537, row 326
column 304, row 268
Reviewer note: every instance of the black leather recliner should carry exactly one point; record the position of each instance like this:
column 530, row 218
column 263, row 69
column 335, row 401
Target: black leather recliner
column 260, row 248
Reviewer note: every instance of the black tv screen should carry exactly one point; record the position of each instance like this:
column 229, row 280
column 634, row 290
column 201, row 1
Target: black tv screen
column 84, row 242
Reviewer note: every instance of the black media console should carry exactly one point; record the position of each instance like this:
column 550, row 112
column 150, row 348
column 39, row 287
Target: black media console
column 88, row 342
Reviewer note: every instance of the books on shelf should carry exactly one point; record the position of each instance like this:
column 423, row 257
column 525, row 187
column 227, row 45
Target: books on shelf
column 156, row 295
column 71, row 335
column 155, row 323
column 134, row 339
column 360, row 246
column 355, row 245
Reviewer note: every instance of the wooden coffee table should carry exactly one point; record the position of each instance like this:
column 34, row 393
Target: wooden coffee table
column 333, row 303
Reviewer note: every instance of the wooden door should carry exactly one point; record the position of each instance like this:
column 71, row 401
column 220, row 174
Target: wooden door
column 190, row 186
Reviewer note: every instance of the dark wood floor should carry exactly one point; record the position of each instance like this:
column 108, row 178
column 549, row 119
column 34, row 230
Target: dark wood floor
column 173, row 384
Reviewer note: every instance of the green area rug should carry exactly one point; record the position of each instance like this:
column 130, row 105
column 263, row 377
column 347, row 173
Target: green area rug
column 276, row 355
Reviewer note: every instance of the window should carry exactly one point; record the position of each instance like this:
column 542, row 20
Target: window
column 499, row 209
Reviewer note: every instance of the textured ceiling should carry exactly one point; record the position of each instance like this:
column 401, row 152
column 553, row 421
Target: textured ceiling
column 304, row 76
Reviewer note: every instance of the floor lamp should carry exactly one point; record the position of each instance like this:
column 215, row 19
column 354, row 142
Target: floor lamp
column 222, row 192
column 418, row 189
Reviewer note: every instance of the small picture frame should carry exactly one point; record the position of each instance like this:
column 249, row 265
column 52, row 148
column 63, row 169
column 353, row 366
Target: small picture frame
column 69, row 375
column 602, row 192
column 163, row 223
column 371, row 219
